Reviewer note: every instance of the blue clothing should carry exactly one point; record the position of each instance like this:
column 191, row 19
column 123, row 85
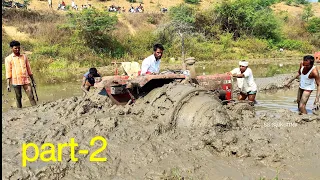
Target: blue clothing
column 91, row 79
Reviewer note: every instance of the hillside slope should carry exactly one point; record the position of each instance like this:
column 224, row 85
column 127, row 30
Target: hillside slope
column 155, row 5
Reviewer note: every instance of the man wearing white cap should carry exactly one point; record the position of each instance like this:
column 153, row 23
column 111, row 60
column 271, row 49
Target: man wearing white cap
column 245, row 81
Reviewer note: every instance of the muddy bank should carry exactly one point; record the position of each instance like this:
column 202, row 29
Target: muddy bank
column 171, row 133
column 276, row 82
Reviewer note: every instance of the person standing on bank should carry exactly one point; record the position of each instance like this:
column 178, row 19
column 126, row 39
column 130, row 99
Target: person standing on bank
column 18, row 74
column 245, row 81
column 151, row 64
column 309, row 78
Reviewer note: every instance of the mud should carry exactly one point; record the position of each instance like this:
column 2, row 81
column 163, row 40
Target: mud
column 177, row 131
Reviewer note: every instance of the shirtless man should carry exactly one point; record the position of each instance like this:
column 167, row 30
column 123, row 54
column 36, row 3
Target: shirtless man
column 309, row 79
column 317, row 59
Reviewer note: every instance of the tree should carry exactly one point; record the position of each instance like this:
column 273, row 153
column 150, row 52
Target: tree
column 266, row 25
column 183, row 13
column 92, row 26
column 307, row 12
column 247, row 17
column 313, row 25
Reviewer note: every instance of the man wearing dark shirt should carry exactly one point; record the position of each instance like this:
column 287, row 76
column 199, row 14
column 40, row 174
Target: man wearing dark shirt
column 88, row 79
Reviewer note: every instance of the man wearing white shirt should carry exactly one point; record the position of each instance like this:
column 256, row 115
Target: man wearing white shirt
column 151, row 64
column 245, row 80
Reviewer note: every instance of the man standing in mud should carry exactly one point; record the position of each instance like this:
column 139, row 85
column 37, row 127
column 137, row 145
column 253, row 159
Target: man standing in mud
column 151, row 64
column 309, row 78
column 245, row 81
column 18, row 74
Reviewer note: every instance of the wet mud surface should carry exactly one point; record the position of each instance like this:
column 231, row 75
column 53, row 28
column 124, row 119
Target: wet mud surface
column 177, row 131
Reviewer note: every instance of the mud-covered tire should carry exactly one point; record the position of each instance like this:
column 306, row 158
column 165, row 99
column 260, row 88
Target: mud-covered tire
column 184, row 105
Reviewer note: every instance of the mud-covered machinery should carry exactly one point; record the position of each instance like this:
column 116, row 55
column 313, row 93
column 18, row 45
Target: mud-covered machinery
column 124, row 89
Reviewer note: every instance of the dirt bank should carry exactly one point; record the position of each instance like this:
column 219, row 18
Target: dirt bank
column 170, row 133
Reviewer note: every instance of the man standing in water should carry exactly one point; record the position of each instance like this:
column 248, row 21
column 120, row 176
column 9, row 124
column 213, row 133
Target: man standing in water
column 309, row 78
column 18, row 72
column 245, row 81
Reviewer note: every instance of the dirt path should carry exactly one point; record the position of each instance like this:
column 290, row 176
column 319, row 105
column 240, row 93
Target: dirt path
column 129, row 26
column 15, row 34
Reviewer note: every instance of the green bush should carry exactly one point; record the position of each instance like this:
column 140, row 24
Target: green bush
column 49, row 51
column 313, row 25
column 192, row 1
column 246, row 17
column 307, row 12
column 289, row 2
column 289, row 44
column 266, row 25
column 182, row 13
column 205, row 23
column 140, row 45
column 92, row 26
column 252, row 45
column 301, row 1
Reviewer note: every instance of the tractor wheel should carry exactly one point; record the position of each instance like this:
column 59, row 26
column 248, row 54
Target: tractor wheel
column 181, row 105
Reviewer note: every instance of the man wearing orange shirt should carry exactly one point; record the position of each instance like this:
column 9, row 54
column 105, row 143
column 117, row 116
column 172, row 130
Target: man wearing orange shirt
column 18, row 72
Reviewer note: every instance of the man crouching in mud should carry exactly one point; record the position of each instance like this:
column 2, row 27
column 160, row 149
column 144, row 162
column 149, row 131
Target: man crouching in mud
column 18, row 72
column 309, row 77
column 89, row 78
column 245, row 81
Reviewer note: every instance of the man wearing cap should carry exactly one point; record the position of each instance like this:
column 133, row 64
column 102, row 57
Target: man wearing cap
column 245, row 81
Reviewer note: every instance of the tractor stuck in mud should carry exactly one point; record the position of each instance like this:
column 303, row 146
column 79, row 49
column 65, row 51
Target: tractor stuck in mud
column 127, row 88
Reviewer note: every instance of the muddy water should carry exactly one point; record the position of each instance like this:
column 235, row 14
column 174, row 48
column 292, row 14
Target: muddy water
column 281, row 99
column 266, row 101
column 259, row 70
column 46, row 92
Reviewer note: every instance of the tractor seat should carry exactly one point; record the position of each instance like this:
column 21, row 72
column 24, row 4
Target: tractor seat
column 131, row 68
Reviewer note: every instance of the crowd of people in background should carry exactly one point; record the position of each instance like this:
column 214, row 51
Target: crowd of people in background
column 74, row 6
column 112, row 8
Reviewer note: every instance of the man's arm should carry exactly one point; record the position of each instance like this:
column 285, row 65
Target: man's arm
column 145, row 66
column 84, row 79
column 29, row 71
column 317, row 79
column 8, row 67
column 294, row 77
column 9, row 84
column 233, row 72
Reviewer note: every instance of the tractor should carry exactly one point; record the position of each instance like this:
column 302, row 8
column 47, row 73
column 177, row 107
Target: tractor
column 127, row 88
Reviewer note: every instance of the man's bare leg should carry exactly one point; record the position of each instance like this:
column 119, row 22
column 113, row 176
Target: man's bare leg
column 299, row 95
column 303, row 101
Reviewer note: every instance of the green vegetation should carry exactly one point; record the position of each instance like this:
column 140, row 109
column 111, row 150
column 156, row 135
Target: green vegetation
column 296, row 2
column 231, row 30
column 192, row 1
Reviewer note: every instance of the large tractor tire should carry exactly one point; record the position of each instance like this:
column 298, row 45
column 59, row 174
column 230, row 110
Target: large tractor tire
column 183, row 106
